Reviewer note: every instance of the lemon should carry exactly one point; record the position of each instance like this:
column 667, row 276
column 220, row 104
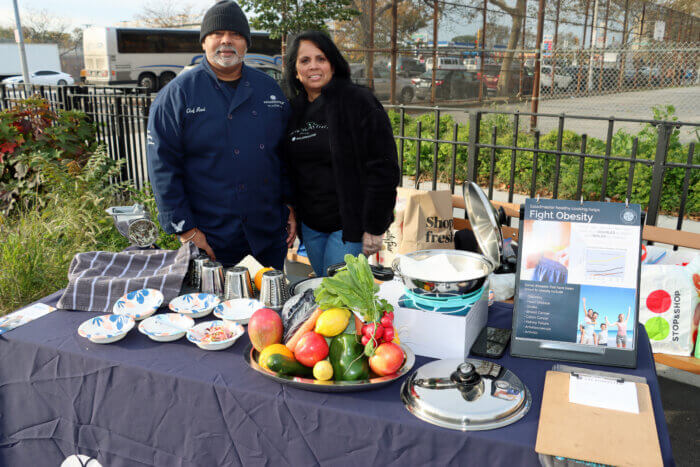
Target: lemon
column 332, row 322
column 323, row 370
column 272, row 350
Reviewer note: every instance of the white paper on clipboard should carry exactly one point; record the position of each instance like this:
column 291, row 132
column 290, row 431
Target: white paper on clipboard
column 605, row 393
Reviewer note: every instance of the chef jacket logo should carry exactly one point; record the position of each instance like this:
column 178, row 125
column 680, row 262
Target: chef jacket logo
column 273, row 103
column 195, row 110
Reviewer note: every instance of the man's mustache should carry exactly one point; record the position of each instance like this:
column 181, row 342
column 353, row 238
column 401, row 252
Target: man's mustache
column 223, row 48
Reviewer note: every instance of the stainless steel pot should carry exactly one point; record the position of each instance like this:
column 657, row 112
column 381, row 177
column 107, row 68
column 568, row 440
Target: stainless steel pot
column 463, row 260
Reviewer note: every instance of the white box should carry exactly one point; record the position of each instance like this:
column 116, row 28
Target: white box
column 433, row 334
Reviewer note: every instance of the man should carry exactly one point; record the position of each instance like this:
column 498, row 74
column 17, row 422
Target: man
column 213, row 137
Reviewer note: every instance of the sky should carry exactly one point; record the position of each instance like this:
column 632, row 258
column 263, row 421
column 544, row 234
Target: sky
column 78, row 13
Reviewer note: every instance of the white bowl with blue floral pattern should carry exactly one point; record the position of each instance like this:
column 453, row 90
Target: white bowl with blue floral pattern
column 139, row 304
column 215, row 335
column 239, row 309
column 194, row 305
column 106, row 329
column 166, row 327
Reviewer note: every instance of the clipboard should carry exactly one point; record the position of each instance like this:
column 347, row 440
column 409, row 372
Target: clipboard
column 593, row 434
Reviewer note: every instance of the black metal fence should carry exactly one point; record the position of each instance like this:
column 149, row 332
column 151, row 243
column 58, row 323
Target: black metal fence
column 121, row 118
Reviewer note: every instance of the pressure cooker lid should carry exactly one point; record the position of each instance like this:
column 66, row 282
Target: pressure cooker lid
column 466, row 395
column 484, row 222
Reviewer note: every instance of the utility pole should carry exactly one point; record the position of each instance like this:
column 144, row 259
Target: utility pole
column 22, row 52
column 394, row 55
column 594, row 40
column 433, row 90
column 538, row 54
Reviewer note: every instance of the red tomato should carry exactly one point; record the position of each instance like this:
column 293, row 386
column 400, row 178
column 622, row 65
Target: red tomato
column 311, row 348
column 387, row 359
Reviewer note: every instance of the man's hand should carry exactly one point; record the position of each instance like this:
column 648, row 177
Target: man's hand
column 197, row 237
column 291, row 227
column 371, row 243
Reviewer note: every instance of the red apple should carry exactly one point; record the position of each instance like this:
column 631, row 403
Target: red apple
column 311, row 348
column 265, row 328
column 387, row 359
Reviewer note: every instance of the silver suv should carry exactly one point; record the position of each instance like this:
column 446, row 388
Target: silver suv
column 382, row 82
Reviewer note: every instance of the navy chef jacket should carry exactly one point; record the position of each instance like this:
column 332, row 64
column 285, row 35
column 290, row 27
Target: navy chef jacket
column 213, row 160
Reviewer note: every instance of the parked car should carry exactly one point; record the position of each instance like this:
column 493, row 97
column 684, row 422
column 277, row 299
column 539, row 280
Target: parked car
column 43, row 77
column 407, row 66
column 561, row 80
column 449, row 84
column 382, row 82
column 492, row 74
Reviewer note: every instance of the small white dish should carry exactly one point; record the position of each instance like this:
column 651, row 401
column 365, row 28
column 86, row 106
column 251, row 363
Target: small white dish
column 106, row 329
column 200, row 334
column 194, row 305
column 238, row 309
column 166, row 327
column 138, row 304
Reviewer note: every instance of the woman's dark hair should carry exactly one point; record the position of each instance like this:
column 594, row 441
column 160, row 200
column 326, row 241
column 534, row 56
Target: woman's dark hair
column 341, row 69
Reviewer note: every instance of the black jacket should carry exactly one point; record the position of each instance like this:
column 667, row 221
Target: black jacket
column 364, row 157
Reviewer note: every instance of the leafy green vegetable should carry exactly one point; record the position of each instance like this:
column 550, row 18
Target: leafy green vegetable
column 353, row 288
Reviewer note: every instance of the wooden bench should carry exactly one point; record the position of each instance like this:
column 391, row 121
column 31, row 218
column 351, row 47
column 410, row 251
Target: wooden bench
column 650, row 233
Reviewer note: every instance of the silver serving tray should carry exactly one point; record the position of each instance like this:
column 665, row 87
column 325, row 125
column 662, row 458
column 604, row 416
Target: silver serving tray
column 308, row 384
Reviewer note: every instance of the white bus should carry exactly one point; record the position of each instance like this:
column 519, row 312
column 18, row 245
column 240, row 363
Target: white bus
column 152, row 57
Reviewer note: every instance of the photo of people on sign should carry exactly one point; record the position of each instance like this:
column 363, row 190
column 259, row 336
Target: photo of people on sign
column 604, row 317
column 578, row 273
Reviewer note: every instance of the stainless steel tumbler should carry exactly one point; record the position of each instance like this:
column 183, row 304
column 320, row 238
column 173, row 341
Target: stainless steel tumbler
column 237, row 283
column 213, row 278
column 195, row 272
column 273, row 290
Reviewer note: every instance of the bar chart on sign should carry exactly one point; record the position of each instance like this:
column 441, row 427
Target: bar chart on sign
column 605, row 263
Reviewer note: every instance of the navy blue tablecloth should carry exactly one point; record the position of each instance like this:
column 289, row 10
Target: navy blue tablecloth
column 138, row 402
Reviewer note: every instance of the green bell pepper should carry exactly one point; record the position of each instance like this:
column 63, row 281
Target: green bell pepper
column 347, row 357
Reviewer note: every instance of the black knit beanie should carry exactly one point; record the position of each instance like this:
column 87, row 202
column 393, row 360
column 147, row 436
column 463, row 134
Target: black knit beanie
column 225, row 16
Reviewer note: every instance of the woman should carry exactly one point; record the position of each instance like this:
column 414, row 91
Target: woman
column 621, row 323
column 340, row 152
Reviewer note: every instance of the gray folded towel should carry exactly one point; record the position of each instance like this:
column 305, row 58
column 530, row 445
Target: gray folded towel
column 97, row 279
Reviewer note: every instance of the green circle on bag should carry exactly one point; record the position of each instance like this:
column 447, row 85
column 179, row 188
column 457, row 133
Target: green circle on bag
column 657, row 328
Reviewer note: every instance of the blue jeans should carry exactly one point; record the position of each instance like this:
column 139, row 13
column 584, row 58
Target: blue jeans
column 326, row 249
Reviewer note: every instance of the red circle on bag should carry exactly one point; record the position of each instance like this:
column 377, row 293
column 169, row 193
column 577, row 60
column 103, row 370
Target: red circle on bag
column 659, row 301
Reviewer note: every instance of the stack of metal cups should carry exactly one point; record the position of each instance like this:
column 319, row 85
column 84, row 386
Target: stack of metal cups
column 237, row 283
column 195, row 271
column 273, row 290
column 213, row 278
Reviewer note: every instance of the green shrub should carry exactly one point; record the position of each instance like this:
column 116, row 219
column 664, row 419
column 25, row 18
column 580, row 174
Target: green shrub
column 29, row 128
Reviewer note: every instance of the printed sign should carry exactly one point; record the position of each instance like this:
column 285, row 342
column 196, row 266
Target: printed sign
column 578, row 275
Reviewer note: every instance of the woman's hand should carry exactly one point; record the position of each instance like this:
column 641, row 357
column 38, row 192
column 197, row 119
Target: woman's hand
column 197, row 237
column 291, row 227
column 371, row 244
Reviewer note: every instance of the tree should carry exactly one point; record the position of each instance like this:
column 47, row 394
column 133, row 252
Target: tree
column 465, row 38
column 169, row 14
column 280, row 17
